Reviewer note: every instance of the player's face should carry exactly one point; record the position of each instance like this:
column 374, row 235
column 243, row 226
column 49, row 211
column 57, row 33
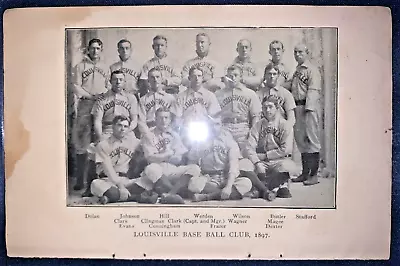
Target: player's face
column 117, row 82
column 163, row 120
column 271, row 77
column 120, row 128
column 94, row 51
column 235, row 76
column 244, row 49
column 269, row 110
column 300, row 54
column 196, row 78
column 217, row 126
column 202, row 45
column 124, row 51
column 155, row 80
column 160, row 47
column 276, row 51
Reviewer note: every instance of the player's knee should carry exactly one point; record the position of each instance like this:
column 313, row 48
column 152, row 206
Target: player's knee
column 98, row 187
column 243, row 185
column 193, row 170
column 153, row 172
column 112, row 194
column 197, row 184
column 246, row 165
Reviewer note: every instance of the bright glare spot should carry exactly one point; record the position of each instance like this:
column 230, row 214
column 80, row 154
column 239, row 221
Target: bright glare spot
column 198, row 131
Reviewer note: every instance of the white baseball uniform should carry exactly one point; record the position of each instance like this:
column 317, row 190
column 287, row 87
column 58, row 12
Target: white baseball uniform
column 131, row 69
column 250, row 69
column 284, row 97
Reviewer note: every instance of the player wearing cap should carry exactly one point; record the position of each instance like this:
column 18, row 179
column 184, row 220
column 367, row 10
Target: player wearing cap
column 153, row 100
column 218, row 157
column 269, row 149
column 240, row 106
column 212, row 72
column 306, row 88
column 271, row 87
column 171, row 76
column 196, row 103
column 113, row 156
column 128, row 66
column 164, row 150
column 89, row 81
column 276, row 50
column 252, row 76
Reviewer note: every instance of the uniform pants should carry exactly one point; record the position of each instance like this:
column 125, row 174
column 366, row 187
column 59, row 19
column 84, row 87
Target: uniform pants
column 101, row 185
column 306, row 130
column 197, row 184
column 240, row 133
column 83, row 125
column 153, row 172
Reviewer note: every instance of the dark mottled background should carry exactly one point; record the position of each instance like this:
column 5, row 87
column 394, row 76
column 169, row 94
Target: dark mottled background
column 395, row 256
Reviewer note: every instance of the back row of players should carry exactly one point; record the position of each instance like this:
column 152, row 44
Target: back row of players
column 251, row 116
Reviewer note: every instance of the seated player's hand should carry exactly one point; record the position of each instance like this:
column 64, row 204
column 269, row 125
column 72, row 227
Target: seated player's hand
column 124, row 194
column 226, row 192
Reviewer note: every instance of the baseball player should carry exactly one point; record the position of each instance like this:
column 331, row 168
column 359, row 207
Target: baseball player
column 218, row 158
column 240, row 106
column 89, row 81
column 164, row 150
column 153, row 100
column 113, row 156
column 306, row 88
column 171, row 75
column 252, row 76
column 276, row 50
column 128, row 66
column 285, row 99
column 212, row 72
column 269, row 148
column 115, row 102
column 196, row 103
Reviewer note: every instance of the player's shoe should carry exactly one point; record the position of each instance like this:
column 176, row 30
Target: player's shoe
column 269, row 195
column 171, row 199
column 283, row 192
column 313, row 180
column 149, row 197
column 104, row 200
column 300, row 178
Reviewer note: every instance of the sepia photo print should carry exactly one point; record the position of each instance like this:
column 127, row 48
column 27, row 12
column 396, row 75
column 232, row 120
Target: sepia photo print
column 211, row 117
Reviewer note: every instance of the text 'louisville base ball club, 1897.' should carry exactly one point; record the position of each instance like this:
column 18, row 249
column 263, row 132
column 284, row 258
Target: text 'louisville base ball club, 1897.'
column 157, row 133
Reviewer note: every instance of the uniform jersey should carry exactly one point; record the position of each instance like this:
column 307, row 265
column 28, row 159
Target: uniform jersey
column 306, row 85
column 197, row 104
column 273, row 138
column 157, row 142
column 285, row 98
column 132, row 73
column 284, row 74
column 120, row 152
column 211, row 69
column 91, row 77
column 218, row 154
column 111, row 104
column 239, row 102
column 249, row 69
column 151, row 101
column 167, row 68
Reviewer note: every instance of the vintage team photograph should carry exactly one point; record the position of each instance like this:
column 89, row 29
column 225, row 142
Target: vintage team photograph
column 210, row 117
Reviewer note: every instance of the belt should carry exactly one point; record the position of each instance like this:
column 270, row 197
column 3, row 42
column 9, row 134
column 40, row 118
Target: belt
column 107, row 123
column 103, row 175
column 151, row 124
column 233, row 120
column 300, row 102
column 213, row 172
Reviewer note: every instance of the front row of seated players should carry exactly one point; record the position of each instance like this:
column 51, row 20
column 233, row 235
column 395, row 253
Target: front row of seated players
column 210, row 170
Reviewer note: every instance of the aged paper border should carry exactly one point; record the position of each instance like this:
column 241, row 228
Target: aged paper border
column 40, row 225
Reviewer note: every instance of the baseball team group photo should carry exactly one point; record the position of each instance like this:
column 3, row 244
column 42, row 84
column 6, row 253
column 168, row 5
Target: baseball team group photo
column 233, row 117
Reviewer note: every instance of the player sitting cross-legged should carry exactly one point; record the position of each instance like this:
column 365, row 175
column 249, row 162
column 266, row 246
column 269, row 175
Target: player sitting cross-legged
column 218, row 157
